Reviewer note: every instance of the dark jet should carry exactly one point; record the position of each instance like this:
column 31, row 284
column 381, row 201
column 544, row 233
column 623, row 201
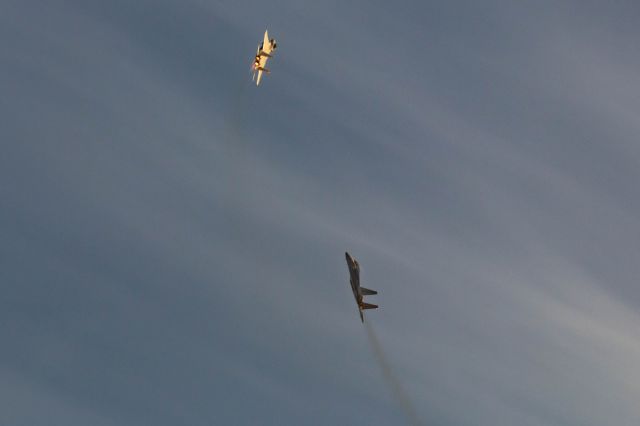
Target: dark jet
column 358, row 292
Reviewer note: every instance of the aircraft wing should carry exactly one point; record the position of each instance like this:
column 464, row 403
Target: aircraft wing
column 263, row 64
column 266, row 44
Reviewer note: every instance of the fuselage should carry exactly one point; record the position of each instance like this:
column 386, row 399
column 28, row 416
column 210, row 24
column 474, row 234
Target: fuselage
column 354, row 272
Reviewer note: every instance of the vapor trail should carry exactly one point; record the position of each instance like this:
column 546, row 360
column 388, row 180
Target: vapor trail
column 394, row 384
column 235, row 147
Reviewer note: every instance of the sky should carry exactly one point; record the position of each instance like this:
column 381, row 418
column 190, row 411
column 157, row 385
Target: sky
column 173, row 237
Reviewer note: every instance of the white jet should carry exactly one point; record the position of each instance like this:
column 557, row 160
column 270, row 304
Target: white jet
column 265, row 51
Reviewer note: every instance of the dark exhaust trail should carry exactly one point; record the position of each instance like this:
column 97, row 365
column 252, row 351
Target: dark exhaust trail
column 390, row 378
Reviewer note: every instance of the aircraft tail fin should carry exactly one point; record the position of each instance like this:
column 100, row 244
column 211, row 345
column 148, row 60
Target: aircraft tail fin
column 369, row 306
column 368, row 292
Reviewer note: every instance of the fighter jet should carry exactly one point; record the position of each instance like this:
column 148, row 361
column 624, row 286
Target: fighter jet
column 265, row 51
column 358, row 291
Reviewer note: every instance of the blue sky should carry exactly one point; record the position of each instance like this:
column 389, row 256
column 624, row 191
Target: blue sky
column 174, row 237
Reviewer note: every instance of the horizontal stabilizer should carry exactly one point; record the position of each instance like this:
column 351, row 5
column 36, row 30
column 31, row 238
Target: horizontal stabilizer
column 369, row 306
column 367, row 292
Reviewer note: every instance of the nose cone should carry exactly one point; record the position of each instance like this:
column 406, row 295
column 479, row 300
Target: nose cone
column 351, row 262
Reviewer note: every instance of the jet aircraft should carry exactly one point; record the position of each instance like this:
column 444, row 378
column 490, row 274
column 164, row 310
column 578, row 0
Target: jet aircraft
column 265, row 51
column 358, row 291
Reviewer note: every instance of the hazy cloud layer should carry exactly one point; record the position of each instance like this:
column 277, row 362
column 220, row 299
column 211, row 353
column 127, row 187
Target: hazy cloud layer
column 174, row 237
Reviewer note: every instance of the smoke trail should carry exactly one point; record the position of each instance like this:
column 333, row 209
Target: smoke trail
column 394, row 384
column 235, row 147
